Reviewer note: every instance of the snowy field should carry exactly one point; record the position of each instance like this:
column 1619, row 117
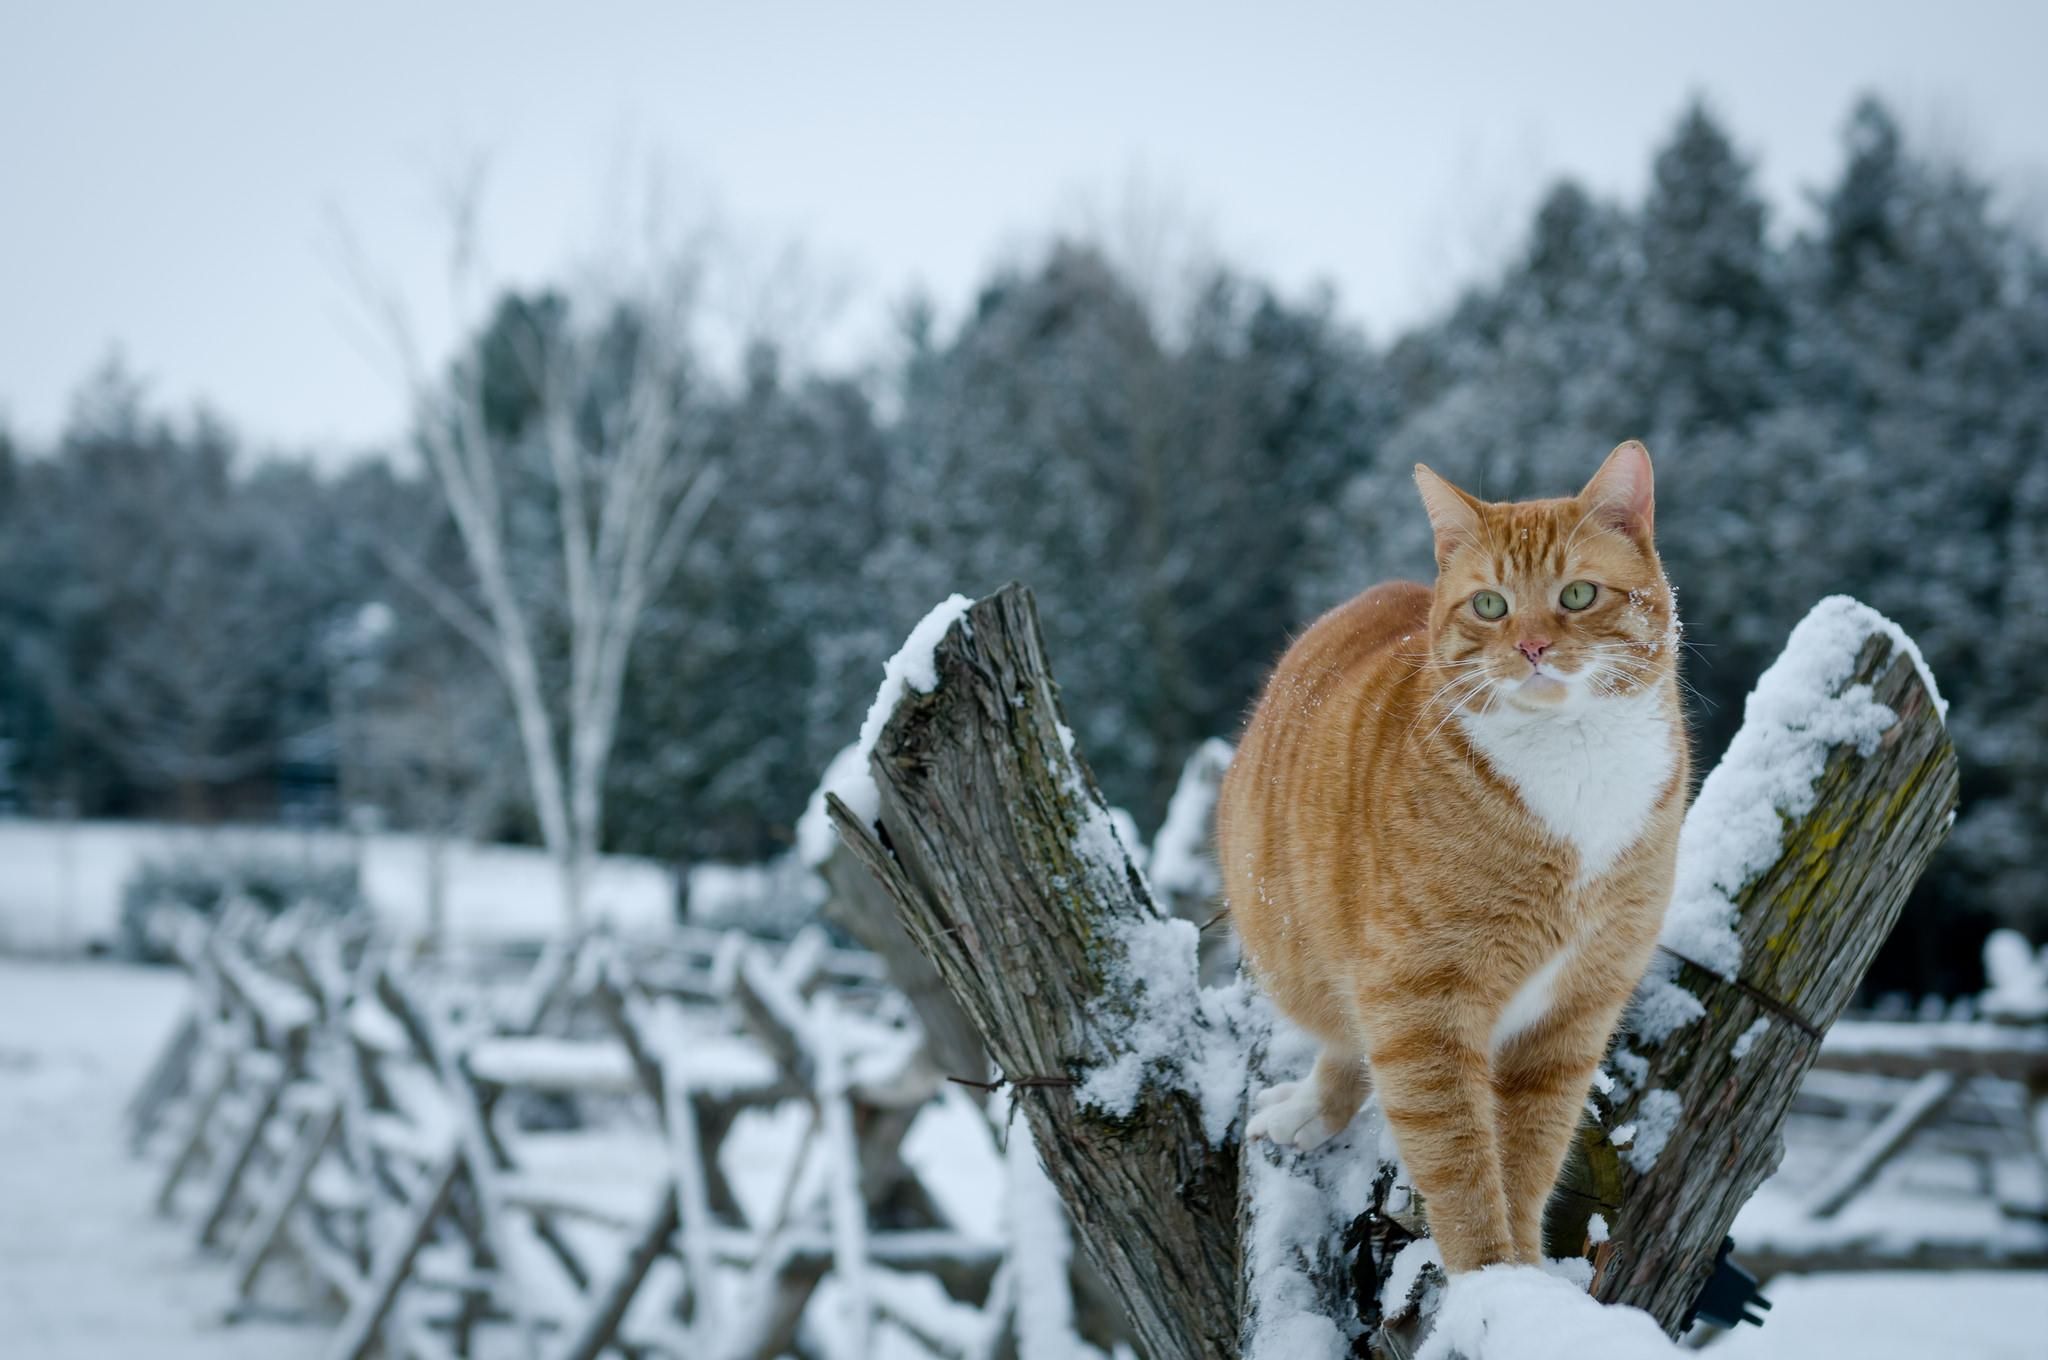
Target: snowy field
column 86, row 1273
column 60, row 890
column 1898, row 1316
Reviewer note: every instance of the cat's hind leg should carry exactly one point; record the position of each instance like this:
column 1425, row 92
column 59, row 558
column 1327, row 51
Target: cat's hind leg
column 1309, row 1113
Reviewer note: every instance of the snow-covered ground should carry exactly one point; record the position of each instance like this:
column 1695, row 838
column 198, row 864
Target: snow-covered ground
column 86, row 1273
column 1898, row 1316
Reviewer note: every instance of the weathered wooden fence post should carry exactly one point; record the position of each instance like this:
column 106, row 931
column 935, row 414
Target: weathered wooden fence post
column 998, row 852
column 1716, row 1059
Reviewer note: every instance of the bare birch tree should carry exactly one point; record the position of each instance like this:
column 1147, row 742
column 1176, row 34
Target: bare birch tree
column 630, row 476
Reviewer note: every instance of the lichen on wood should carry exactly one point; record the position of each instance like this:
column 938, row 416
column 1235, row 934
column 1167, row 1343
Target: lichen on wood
column 1809, row 926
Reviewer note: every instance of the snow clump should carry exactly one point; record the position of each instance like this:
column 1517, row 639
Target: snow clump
column 914, row 667
column 1527, row 1313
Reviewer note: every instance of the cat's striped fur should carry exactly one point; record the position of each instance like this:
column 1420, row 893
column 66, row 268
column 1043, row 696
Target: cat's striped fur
column 1448, row 843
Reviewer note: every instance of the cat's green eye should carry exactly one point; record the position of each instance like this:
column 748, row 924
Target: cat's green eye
column 1578, row 595
column 1489, row 604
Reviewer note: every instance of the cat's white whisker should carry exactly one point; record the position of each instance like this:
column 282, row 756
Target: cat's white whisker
column 1485, row 685
column 1465, row 669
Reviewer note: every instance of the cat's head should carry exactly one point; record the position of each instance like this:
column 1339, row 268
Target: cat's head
column 1553, row 604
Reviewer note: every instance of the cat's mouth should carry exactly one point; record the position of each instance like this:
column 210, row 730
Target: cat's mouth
column 1541, row 688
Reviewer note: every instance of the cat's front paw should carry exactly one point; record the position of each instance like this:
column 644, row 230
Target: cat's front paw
column 1289, row 1114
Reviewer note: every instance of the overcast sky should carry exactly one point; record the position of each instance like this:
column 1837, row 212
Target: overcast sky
column 170, row 173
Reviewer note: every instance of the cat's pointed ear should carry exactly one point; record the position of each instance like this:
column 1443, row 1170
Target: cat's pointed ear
column 1453, row 514
column 1623, row 492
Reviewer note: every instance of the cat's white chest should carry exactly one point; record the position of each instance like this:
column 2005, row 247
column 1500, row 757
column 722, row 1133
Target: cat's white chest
column 1591, row 774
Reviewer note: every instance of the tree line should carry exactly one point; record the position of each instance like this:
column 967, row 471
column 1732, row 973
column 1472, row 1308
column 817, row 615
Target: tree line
column 1856, row 405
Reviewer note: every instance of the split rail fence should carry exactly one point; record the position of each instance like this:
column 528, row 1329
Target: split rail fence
column 505, row 1158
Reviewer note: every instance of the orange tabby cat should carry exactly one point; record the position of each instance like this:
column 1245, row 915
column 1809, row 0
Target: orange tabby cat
column 1448, row 840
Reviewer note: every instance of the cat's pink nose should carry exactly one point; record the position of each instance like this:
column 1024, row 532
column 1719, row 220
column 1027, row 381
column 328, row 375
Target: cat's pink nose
column 1533, row 648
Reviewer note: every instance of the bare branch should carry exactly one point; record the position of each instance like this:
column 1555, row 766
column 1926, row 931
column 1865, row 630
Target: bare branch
column 453, row 609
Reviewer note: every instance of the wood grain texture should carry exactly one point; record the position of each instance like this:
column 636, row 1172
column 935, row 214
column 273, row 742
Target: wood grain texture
column 980, row 842
column 863, row 909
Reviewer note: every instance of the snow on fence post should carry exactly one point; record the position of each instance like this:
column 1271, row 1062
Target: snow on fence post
column 1005, row 869
column 1796, row 859
column 1182, row 870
